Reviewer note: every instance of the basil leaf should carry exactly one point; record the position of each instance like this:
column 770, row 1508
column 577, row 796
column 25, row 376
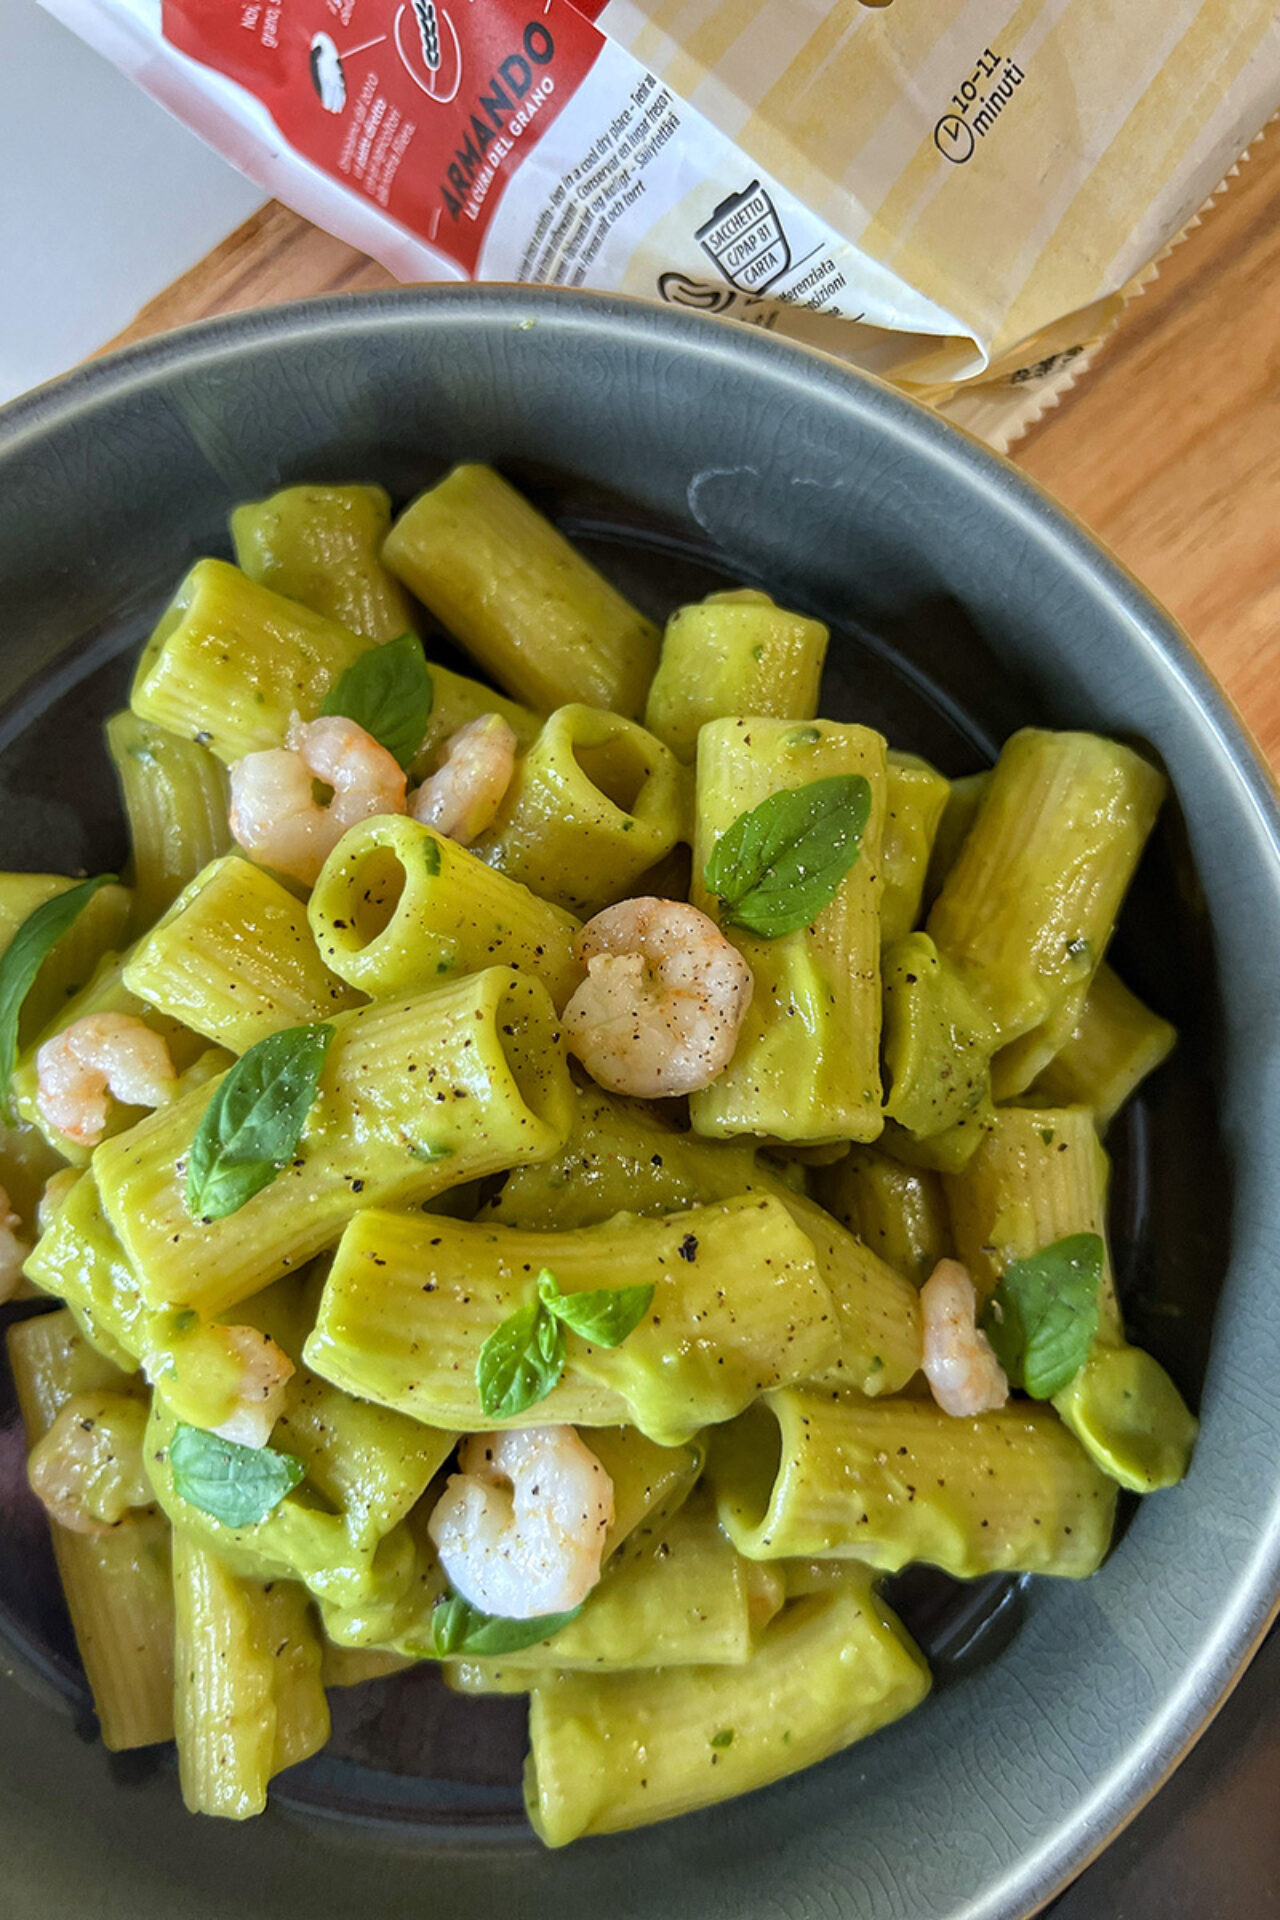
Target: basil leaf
column 253, row 1123
column 459, row 1628
column 605, row 1318
column 390, row 693
column 780, row 864
column 237, row 1485
column 23, row 958
column 520, row 1362
column 1042, row 1317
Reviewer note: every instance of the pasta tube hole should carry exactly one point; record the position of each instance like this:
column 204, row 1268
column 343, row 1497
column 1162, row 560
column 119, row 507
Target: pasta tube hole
column 359, row 892
column 619, row 768
column 749, row 1462
column 376, row 885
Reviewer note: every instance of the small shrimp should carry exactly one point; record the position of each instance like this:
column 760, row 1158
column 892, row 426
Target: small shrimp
column 13, row 1249
column 462, row 797
column 105, row 1053
column 663, row 1002
column 274, row 813
column 520, row 1530
column 959, row 1362
column 260, row 1391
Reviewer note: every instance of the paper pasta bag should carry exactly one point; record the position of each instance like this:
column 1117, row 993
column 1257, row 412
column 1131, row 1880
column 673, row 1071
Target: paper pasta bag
column 942, row 191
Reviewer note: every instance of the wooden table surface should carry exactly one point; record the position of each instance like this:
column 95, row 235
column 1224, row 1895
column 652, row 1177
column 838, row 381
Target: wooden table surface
column 1169, row 447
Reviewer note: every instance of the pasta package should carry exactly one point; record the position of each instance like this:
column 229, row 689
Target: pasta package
column 945, row 194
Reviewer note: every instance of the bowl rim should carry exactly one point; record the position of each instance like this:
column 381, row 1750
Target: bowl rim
column 1253, row 1602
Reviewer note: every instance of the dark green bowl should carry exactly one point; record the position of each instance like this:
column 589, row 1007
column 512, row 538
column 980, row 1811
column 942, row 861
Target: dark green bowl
column 685, row 451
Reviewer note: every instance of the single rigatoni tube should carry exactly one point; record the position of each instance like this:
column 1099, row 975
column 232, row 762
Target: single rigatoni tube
column 812, row 1475
column 1039, row 1176
column 106, row 992
column 116, row 1584
column 235, row 960
column 615, row 1751
column 1028, row 907
column 97, row 929
column 738, row 1305
column 248, row 1696
column 915, row 801
column 399, row 908
column 733, row 653
column 623, row 1157
column 416, row 1096
column 620, row 1157
column 322, row 546
column 899, row 1212
column 1117, row 1042
column 807, row 1064
column 79, row 1259
column 1130, row 1417
column 176, row 796
column 591, row 806
column 229, row 662
column 520, row 598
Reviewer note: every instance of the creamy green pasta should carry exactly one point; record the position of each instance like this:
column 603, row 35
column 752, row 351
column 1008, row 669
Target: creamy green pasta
column 573, row 1180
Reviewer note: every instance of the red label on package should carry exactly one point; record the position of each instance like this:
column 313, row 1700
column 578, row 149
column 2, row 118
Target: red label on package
column 425, row 108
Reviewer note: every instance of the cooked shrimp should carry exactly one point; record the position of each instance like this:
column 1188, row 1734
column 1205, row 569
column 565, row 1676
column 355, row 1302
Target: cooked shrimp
column 265, row 1372
column 104, row 1054
column 520, row 1531
column 87, row 1471
column 663, row 1001
column 462, row 797
column 959, row 1363
column 274, row 813
column 13, row 1250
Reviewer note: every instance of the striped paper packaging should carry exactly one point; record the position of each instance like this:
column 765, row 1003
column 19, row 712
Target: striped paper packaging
column 955, row 194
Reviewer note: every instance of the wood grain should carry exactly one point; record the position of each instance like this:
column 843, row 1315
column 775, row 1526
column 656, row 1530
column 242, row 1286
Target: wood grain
column 1169, row 448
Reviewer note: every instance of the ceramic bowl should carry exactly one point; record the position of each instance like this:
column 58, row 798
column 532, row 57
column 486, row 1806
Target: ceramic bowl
column 685, row 453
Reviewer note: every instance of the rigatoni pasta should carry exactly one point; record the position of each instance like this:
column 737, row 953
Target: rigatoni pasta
column 175, row 800
column 733, row 653
column 595, row 801
column 807, row 1065
column 574, row 1306
column 234, row 959
column 536, row 615
column 622, row 1750
column 738, row 1304
column 323, row 546
column 229, row 662
column 806, row 1475
column 493, row 1092
column 399, row 907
